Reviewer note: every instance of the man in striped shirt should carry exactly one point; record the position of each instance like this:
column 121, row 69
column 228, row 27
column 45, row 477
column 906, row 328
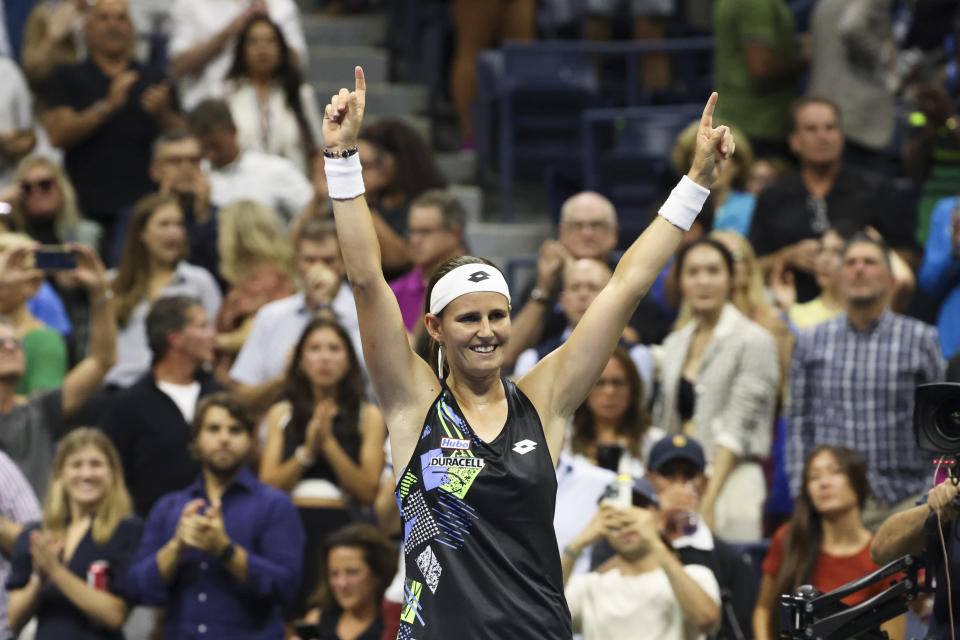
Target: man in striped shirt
column 852, row 383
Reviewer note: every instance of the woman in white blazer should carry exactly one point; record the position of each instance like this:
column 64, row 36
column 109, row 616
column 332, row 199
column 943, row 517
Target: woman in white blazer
column 274, row 111
column 719, row 378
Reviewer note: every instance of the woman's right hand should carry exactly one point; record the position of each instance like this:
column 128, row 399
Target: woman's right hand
column 320, row 426
column 344, row 115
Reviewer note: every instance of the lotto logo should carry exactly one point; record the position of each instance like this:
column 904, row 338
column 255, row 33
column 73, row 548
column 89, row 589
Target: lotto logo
column 525, row 446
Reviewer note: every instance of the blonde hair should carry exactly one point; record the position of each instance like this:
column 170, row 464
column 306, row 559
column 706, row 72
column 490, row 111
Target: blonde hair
column 130, row 285
column 10, row 240
column 686, row 143
column 249, row 236
column 68, row 216
column 115, row 505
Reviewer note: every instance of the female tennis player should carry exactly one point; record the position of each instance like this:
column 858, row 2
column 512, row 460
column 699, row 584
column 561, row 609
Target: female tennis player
column 476, row 453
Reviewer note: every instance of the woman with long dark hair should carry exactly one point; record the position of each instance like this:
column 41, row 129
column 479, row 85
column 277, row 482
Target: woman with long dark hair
column 69, row 570
column 358, row 563
column 475, row 453
column 324, row 440
column 273, row 109
column 824, row 544
column 153, row 265
column 613, row 417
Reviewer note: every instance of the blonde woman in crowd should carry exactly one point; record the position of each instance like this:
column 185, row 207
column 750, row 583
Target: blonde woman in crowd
column 45, row 205
column 69, row 570
column 257, row 261
column 750, row 297
column 153, row 265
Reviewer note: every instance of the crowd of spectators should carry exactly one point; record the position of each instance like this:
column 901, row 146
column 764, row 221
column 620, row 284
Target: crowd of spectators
column 185, row 392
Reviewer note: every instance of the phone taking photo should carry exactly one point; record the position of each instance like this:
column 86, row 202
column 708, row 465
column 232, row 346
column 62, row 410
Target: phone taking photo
column 54, row 257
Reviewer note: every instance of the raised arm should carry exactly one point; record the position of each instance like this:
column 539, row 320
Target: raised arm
column 403, row 383
column 560, row 382
column 84, row 379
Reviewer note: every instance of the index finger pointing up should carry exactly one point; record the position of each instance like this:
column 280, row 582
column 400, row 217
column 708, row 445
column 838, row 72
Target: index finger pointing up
column 706, row 120
column 361, row 81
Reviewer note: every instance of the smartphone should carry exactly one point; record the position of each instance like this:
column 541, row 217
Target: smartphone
column 608, row 456
column 54, row 257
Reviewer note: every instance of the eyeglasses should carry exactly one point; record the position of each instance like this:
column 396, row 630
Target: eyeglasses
column 191, row 159
column 11, row 344
column 426, row 231
column 614, row 383
column 43, row 185
column 592, row 225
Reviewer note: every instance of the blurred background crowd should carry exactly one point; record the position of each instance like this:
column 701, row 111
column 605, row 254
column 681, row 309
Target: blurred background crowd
column 188, row 443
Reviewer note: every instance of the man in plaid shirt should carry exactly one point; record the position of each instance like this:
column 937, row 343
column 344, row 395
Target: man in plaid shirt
column 852, row 383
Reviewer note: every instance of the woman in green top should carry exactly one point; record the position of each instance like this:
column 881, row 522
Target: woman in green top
column 43, row 348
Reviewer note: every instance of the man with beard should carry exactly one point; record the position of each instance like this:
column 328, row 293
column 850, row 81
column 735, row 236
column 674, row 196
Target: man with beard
column 223, row 555
column 645, row 591
column 852, row 382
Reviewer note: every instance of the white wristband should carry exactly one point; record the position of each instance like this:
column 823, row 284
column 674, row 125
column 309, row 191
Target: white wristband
column 344, row 177
column 685, row 202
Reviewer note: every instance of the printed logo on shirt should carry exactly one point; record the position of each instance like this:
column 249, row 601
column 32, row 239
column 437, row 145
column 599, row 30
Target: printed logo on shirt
column 454, row 443
column 524, row 446
column 454, row 473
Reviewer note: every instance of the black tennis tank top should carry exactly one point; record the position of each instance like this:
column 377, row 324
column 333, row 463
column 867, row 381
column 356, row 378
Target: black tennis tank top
column 480, row 550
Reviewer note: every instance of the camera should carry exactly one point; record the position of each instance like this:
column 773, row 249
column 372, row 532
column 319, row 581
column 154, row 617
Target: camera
column 936, row 418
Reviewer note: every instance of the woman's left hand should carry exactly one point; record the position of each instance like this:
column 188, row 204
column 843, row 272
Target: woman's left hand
column 45, row 549
column 90, row 272
column 320, row 427
column 714, row 148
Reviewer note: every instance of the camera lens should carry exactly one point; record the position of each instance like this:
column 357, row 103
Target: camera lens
column 947, row 417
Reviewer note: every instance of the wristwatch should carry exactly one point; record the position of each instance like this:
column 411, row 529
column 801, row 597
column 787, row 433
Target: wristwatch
column 227, row 553
column 346, row 153
column 539, row 295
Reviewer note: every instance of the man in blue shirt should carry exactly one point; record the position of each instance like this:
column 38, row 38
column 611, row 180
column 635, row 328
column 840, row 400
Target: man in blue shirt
column 223, row 555
column 852, row 382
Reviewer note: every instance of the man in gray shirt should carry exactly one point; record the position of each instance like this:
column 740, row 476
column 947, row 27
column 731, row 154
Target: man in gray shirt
column 30, row 426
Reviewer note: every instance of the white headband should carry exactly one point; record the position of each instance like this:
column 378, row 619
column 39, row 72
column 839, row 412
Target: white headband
column 467, row 278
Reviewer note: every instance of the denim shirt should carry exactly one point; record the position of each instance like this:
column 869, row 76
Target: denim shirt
column 204, row 600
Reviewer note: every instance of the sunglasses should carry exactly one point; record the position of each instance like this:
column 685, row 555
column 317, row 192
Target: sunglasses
column 44, row 185
column 11, row 343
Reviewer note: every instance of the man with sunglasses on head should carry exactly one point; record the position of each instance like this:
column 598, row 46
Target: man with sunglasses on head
column 30, row 426
column 645, row 592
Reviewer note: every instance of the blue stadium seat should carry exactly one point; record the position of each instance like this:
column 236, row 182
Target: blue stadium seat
column 626, row 156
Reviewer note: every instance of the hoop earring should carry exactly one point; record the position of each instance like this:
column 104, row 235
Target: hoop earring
column 440, row 362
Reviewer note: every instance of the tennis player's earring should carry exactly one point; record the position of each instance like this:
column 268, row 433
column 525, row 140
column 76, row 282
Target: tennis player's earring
column 440, row 362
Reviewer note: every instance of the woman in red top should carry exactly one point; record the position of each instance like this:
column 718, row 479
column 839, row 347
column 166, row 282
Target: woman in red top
column 824, row 543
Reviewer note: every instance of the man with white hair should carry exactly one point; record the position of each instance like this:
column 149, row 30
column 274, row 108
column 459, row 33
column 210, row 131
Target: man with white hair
column 587, row 229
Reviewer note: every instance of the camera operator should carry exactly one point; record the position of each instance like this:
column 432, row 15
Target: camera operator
column 918, row 531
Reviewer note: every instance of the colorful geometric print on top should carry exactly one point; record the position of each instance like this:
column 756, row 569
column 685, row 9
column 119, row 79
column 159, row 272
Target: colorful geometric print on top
column 480, row 551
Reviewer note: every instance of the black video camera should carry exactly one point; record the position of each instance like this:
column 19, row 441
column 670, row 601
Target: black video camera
column 936, row 425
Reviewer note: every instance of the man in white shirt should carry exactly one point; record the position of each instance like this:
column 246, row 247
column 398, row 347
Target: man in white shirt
column 234, row 175
column 258, row 372
column 204, row 36
column 645, row 592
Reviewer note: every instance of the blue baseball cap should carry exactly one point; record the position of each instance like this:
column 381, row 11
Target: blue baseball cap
column 675, row 447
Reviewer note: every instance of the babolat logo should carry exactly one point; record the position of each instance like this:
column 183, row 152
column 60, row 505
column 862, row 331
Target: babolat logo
column 463, row 463
column 479, row 276
column 454, row 443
